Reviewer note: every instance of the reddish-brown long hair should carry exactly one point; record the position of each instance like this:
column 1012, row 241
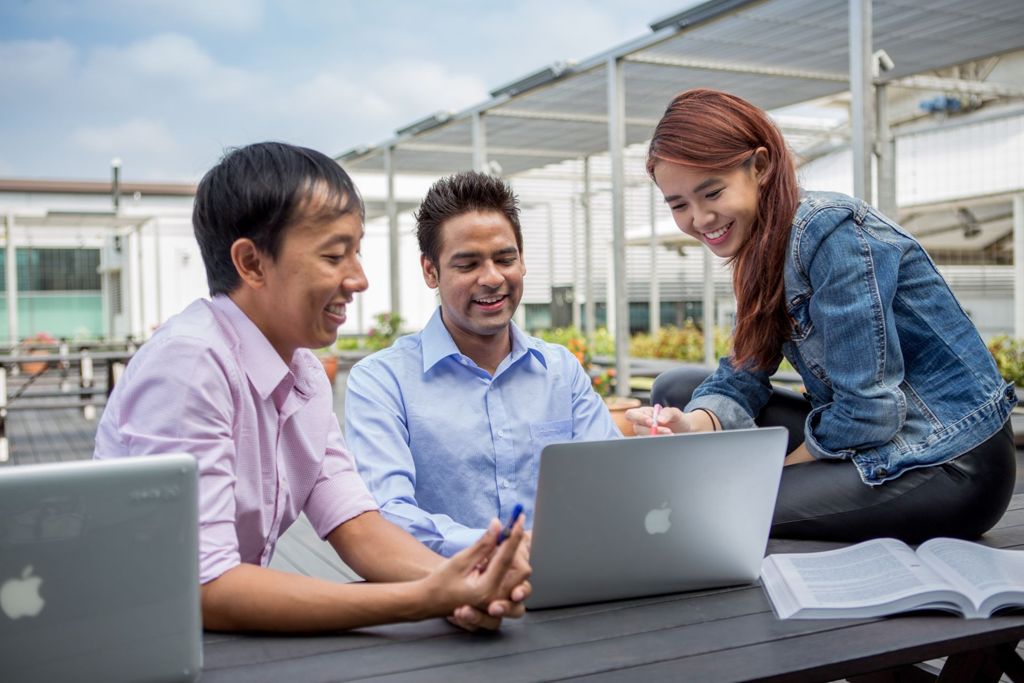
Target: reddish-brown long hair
column 715, row 131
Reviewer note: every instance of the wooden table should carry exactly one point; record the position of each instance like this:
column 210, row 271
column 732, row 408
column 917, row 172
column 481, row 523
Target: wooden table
column 719, row 635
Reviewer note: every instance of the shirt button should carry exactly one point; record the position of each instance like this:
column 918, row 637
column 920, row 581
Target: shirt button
column 504, row 483
column 501, row 433
column 881, row 472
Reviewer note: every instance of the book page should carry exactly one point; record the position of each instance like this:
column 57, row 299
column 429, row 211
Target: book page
column 975, row 569
column 868, row 573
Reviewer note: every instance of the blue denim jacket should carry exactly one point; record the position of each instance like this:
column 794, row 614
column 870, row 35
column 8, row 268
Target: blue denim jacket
column 896, row 373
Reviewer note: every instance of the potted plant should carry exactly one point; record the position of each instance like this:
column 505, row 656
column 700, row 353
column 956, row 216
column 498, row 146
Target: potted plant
column 330, row 362
column 36, row 367
column 384, row 333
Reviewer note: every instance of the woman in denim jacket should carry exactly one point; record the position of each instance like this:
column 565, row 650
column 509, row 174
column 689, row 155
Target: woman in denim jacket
column 903, row 430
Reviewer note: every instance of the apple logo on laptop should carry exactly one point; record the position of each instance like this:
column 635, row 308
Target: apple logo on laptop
column 656, row 521
column 20, row 597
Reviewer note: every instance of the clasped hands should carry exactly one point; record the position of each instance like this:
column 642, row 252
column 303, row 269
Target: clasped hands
column 491, row 579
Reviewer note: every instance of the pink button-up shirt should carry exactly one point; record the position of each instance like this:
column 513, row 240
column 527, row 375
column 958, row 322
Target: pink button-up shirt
column 265, row 434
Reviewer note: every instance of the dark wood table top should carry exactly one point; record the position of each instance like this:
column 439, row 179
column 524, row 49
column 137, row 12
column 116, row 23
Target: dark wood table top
column 717, row 635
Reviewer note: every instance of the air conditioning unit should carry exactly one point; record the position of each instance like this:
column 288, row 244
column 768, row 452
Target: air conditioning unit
column 112, row 254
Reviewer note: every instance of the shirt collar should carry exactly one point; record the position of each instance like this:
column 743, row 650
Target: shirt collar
column 263, row 366
column 438, row 344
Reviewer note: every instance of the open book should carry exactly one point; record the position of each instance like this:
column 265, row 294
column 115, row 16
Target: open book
column 885, row 576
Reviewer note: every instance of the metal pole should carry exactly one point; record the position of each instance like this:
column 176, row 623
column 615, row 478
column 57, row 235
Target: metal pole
column 64, row 364
column 159, row 277
column 616, row 145
column 588, row 253
column 11, row 279
column 708, row 314
column 86, row 382
column 393, row 237
column 140, row 307
column 655, row 305
column 115, row 184
column 5, row 451
column 1018, row 266
column 479, row 133
column 552, row 279
column 575, row 266
column 886, row 155
column 861, row 101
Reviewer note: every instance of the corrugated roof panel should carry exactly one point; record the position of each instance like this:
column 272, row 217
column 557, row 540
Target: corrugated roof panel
column 769, row 36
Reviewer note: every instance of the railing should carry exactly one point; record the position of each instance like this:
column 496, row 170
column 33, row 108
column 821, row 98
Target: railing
column 54, row 376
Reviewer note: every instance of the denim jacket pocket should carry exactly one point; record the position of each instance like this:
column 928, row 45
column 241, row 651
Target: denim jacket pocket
column 799, row 312
column 544, row 433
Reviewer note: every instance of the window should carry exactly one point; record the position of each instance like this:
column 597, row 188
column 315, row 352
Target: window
column 58, row 270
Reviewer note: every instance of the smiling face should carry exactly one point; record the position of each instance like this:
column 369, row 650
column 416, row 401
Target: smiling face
column 479, row 276
column 299, row 299
column 719, row 208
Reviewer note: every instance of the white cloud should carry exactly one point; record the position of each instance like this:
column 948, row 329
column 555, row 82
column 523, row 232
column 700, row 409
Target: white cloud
column 169, row 64
column 386, row 92
column 425, row 86
column 234, row 15
column 189, row 77
column 224, row 15
column 139, row 138
column 35, row 64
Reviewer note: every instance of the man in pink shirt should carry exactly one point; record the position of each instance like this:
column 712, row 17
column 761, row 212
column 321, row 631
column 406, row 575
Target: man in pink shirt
column 232, row 381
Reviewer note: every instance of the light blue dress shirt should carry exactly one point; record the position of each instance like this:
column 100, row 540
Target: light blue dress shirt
column 444, row 446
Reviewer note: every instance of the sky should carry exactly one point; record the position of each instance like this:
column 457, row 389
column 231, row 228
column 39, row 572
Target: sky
column 167, row 85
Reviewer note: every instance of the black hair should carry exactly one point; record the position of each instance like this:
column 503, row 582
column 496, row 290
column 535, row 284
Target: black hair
column 461, row 193
column 258, row 192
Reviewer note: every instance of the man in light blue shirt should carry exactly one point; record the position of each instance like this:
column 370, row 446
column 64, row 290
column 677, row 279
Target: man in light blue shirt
column 448, row 424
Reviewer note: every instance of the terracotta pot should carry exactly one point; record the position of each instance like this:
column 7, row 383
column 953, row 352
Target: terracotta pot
column 330, row 364
column 31, row 368
column 618, row 406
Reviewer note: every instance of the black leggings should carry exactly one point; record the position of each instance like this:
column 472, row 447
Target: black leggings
column 826, row 499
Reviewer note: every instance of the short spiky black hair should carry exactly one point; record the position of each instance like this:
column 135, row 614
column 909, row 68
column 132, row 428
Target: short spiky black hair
column 259, row 191
column 461, row 193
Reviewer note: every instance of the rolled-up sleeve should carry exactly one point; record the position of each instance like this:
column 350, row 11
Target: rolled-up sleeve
column 852, row 308
column 339, row 493
column 188, row 411
column 734, row 395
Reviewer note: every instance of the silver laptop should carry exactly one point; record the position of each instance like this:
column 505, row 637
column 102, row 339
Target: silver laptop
column 644, row 516
column 99, row 571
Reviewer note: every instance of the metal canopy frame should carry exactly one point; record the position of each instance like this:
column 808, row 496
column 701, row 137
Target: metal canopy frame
column 774, row 53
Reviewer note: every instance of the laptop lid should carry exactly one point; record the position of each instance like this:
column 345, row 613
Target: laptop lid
column 644, row 516
column 99, row 571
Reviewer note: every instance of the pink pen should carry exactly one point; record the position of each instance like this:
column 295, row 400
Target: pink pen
column 654, row 419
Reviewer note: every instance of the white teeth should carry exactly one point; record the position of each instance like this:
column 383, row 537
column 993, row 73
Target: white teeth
column 336, row 309
column 491, row 300
column 717, row 233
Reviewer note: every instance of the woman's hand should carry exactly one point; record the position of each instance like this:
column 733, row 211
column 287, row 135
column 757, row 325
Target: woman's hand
column 670, row 421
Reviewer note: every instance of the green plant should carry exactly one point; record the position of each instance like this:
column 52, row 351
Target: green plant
column 1009, row 357
column 348, row 344
column 384, row 333
column 684, row 343
column 601, row 378
column 603, row 344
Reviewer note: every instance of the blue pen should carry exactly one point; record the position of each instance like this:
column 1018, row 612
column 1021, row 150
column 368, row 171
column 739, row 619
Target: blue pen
column 517, row 510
